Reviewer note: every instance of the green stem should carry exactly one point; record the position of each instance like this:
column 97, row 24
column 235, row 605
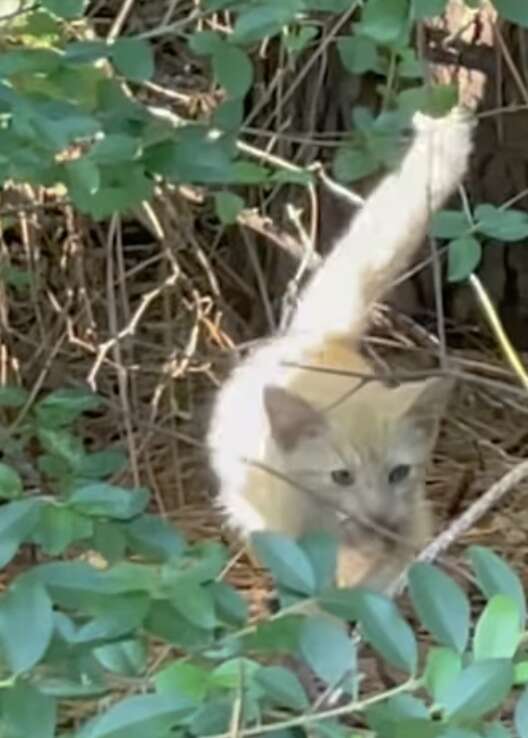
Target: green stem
column 359, row 706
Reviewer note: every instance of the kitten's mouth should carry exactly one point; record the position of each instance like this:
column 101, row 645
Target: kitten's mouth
column 357, row 530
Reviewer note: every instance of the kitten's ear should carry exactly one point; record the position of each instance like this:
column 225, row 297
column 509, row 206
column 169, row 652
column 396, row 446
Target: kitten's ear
column 422, row 404
column 291, row 418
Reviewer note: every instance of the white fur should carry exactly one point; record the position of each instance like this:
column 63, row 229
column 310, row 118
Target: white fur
column 395, row 215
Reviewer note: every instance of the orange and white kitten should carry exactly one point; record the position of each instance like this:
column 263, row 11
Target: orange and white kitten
column 297, row 449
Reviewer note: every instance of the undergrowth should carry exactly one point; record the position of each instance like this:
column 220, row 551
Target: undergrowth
column 120, row 603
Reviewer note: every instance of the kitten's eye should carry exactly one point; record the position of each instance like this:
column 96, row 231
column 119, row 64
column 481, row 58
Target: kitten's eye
column 398, row 473
column 343, row 477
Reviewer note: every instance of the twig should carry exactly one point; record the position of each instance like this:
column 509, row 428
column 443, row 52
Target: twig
column 486, row 304
column 349, row 709
column 129, row 329
column 500, row 334
column 468, row 519
column 474, row 513
column 120, row 20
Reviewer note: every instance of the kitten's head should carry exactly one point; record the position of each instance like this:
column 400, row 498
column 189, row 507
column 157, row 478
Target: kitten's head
column 364, row 459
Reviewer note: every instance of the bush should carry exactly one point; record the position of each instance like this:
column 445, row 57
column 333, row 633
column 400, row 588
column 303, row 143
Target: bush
column 83, row 628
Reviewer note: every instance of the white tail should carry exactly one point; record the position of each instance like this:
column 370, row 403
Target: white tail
column 387, row 231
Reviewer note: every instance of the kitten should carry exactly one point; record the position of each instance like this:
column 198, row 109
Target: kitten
column 296, row 449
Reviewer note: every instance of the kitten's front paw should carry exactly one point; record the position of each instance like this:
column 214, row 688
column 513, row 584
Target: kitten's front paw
column 445, row 144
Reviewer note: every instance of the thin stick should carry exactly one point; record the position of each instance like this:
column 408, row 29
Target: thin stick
column 469, row 518
column 500, row 334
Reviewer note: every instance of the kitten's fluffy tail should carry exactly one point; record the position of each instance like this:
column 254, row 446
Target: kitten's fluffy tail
column 387, row 231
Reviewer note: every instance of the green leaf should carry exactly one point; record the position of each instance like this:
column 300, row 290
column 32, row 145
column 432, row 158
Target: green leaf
column 205, row 42
column 276, row 636
column 59, row 527
column 74, row 583
column 183, row 678
column 503, row 225
column 102, row 464
column 28, row 61
column 359, row 54
column 327, row 649
column 62, row 407
column 68, row 9
column 62, row 444
column 133, row 58
column 287, row 562
column 436, row 101
column 109, row 539
column 26, row 624
column 228, row 115
column 410, row 65
column 228, row 207
column 513, row 11
column 521, row 672
column 165, row 622
column 282, row 687
column 195, row 604
column 20, row 279
column 297, row 39
column 150, row 535
column 479, row 689
column 10, row 482
column 402, row 716
column 442, row 667
column 291, row 176
column 449, row 224
column 442, row 606
column 352, row 163
column 114, row 617
column 382, row 625
column 17, row 520
column 321, row 549
column 496, row 730
column 106, row 500
column 83, row 173
column 385, row 21
column 213, row 718
column 11, row 396
column 128, row 658
column 494, row 576
column 421, row 9
column 463, row 257
column 85, row 51
column 137, row 717
column 498, row 631
column 261, row 20
column 521, row 715
column 123, row 186
column 230, row 605
column 56, row 124
column 232, row 70
column 245, row 172
column 114, row 147
column 192, row 158
column 233, row 674
column 28, row 712
column 328, row 6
